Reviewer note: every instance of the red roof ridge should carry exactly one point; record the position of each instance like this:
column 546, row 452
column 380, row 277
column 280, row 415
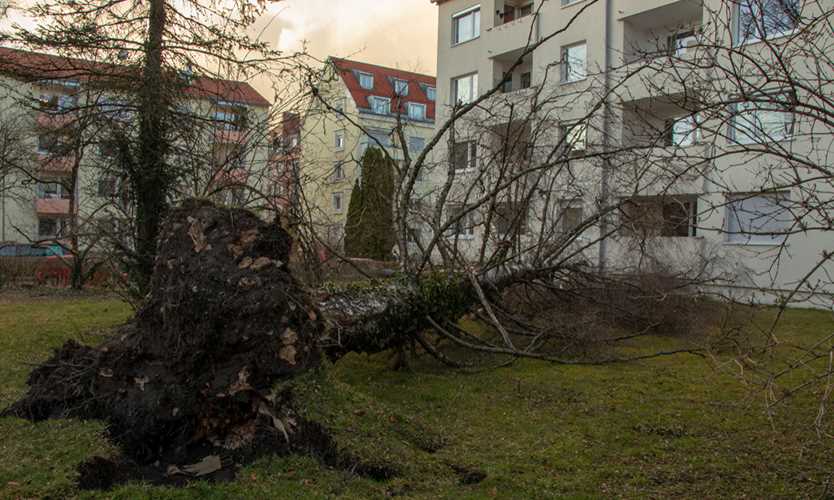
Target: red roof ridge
column 237, row 90
column 380, row 66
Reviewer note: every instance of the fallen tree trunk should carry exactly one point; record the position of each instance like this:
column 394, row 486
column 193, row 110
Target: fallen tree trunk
column 205, row 375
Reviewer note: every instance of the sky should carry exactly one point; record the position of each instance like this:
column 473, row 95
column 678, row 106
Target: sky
column 396, row 33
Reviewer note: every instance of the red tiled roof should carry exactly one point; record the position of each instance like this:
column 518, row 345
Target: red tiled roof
column 29, row 66
column 383, row 84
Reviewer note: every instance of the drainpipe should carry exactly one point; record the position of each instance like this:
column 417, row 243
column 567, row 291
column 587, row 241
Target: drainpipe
column 2, row 208
column 606, row 127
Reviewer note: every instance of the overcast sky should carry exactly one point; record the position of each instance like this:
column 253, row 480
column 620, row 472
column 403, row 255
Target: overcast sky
column 398, row 33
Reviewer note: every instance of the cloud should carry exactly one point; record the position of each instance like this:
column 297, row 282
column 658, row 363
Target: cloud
column 400, row 33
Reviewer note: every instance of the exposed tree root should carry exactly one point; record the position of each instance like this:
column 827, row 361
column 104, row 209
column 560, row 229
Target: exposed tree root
column 205, row 376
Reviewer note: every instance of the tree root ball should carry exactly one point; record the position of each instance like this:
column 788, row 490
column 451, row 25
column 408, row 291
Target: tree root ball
column 188, row 386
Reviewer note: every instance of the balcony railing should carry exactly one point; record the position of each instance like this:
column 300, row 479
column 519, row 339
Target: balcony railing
column 52, row 206
column 226, row 136
column 61, row 165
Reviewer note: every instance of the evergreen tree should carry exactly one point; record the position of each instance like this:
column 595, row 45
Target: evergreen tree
column 369, row 229
column 353, row 236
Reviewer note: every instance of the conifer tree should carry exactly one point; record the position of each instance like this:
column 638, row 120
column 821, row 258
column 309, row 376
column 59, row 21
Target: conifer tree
column 369, row 229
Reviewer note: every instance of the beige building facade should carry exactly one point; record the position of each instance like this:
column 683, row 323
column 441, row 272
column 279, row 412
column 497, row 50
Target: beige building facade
column 361, row 105
column 55, row 178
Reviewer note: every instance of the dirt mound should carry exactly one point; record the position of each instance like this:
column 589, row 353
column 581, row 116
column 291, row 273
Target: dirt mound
column 187, row 387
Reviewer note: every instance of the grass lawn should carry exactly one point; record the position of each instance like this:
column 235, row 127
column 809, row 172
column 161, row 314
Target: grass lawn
column 669, row 427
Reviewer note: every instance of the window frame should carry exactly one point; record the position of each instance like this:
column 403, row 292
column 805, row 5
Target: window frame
column 417, row 105
column 735, row 132
column 752, row 239
column 431, row 93
column 378, row 99
column 740, row 40
column 339, row 139
column 460, row 230
column 565, row 131
column 566, row 65
column 361, row 74
column 397, row 84
column 337, row 195
column 338, row 173
column 471, row 156
column 473, row 88
column 474, row 11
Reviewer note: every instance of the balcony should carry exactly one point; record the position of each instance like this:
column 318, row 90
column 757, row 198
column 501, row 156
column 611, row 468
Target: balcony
column 54, row 121
column 52, row 206
column 225, row 136
column 510, row 36
column 232, row 177
column 55, row 165
column 658, row 12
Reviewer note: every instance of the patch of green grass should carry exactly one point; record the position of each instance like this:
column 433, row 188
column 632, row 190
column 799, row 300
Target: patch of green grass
column 668, row 427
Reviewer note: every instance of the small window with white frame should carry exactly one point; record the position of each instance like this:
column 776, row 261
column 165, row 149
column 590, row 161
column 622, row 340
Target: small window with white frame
column 757, row 20
column 466, row 25
column 465, row 88
column 339, row 139
column 758, row 218
column 574, row 62
column 380, row 105
column 768, row 119
column 337, row 200
column 366, row 80
column 431, row 93
column 416, row 111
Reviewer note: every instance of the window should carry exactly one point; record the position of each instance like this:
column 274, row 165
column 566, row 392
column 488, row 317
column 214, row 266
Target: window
column 669, row 216
column 431, row 93
column 684, row 132
column 524, row 10
column 679, row 43
column 337, row 201
column 572, row 217
column 762, row 19
column 379, row 137
column 51, row 190
column 57, row 102
column 575, row 137
column 340, row 139
column 465, row 88
column 380, row 105
column 416, row 111
column 52, row 143
column 574, row 62
column 400, row 87
column 461, row 224
column 107, row 187
column 416, row 145
column 366, row 81
column 526, row 80
column 568, row 2
column 339, row 103
column 758, row 218
column 756, row 122
column 510, row 218
column 338, row 171
column 465, row 155
column 50, row 227
column 507, row 85
column 234, row 119
column 466, row 25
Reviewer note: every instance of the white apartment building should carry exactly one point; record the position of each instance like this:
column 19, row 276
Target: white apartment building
column 48, row 103
column 707, row 174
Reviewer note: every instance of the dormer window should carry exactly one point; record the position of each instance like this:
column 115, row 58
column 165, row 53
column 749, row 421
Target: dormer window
column 380, row 105
column 366, row 80
column 431, row 93
column 400, row 87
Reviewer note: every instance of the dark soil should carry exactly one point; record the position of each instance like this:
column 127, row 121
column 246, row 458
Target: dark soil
column 186, row 388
